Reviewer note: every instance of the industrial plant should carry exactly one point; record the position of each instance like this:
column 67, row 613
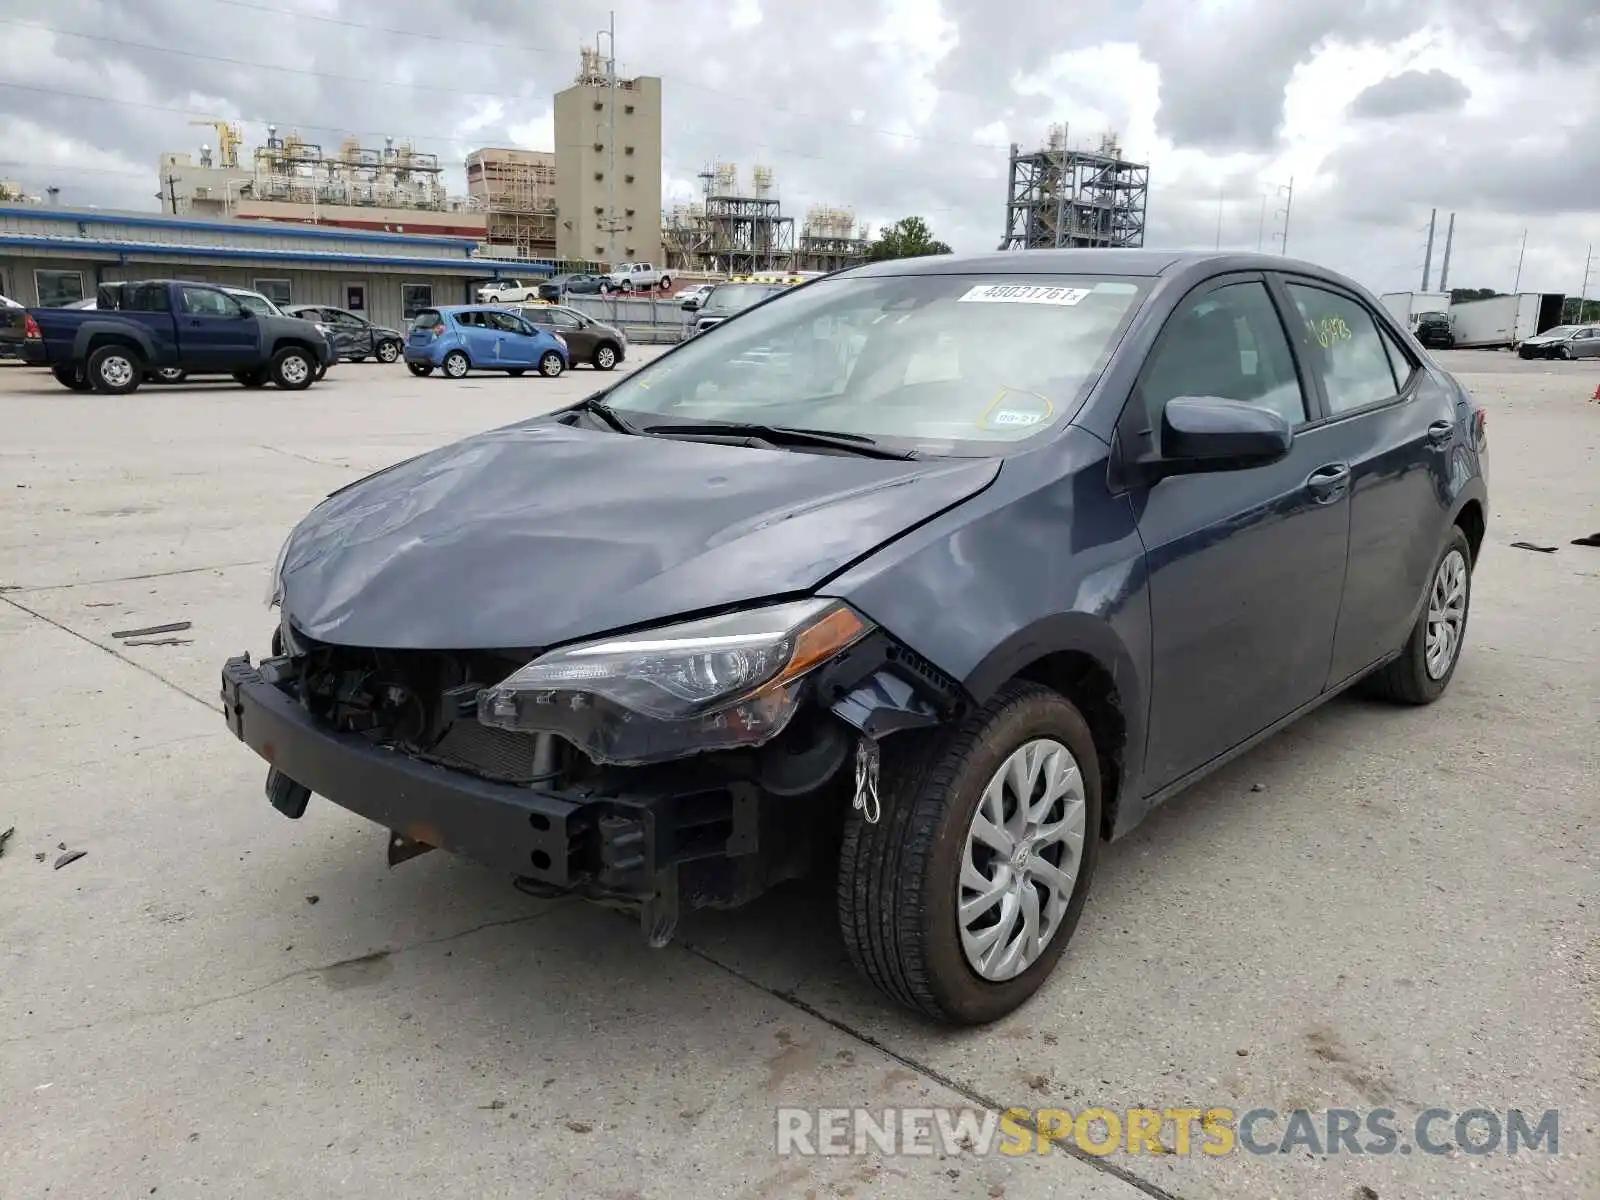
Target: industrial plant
column 1060, row 196
column 738, row 229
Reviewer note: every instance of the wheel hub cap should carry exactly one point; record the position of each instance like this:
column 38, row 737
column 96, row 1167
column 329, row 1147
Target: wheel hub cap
column 1447, row 615
column 116, row 371
column 1020, row 863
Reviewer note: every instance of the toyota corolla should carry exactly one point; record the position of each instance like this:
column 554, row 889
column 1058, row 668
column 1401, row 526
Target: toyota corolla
column 933, row 574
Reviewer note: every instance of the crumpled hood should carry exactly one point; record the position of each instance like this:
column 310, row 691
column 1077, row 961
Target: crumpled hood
column 540, row 533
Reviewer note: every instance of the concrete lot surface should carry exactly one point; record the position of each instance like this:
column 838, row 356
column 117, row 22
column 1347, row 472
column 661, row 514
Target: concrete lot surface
column 1379, row 908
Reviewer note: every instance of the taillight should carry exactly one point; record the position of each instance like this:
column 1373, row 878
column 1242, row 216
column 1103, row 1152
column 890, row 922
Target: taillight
column 30, row 329
column 1480, row 427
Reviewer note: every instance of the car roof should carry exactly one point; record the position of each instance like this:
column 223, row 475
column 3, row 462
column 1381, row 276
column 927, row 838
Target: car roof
column 1098, row 261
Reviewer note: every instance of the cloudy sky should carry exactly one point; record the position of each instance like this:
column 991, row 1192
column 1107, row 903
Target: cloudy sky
column 1378, row 110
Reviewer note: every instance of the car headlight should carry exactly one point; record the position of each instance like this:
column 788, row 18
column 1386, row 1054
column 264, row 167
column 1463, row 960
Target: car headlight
column 714, row 684
column 275, row 584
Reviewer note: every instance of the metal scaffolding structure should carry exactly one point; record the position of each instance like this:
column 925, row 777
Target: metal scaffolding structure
column 730, row 231
column 517, row 191
column 1061, row 197
column 295, row 171
column 830, row 240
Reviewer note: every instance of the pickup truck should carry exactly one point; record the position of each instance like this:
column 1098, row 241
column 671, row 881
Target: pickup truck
column 510, row 291
column 150, row 325
column 636, row 277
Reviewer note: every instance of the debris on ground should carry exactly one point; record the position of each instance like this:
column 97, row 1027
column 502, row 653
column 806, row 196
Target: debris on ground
column 149, row 631
column 312, row 899
column 1592, row 540
column 6, row 837
column 493, row 1106
column 71, row 856
column 162, row 642
column 1531, row 546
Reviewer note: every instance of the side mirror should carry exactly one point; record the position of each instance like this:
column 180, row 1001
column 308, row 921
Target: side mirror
column 244, row 314
column 1205, row 433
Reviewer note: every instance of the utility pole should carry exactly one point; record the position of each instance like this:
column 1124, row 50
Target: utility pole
column 172, row 193
column 1261, row 225
column 1427, row 255
column 610, row 34
column 1444, row 269
column 1287, row 192
column 1219, row 218
column 1517, row 282
column 1588, row 261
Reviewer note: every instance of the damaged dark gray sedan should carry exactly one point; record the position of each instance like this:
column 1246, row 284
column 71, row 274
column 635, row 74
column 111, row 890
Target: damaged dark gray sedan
column 934, row 574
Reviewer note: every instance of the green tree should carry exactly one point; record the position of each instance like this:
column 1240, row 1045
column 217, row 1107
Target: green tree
column 908, row 237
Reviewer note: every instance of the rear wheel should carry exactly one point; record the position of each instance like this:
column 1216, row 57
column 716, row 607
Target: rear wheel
column 605, row 356
column 516, row 372
column 1428, row 662
column 961, row 898
column 550, row 364
column 388, row 351
column 170, row 375
column 114, row 370
column 666, row 283
column 293, row 369
column 418, row 369
column 71, row 377
column 252, row 379
column 456, row 365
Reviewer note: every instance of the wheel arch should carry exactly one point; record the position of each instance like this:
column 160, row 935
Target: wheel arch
column 291, row 342
column 1472, row 519
column 1081, row 657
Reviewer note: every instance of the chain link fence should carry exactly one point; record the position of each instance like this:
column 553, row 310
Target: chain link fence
column 646, row 321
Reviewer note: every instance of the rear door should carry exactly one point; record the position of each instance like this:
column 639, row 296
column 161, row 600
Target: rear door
column 216, row 332
column 478, row 337
column 1245, row 567
column 514, row 341
column 1397, row 428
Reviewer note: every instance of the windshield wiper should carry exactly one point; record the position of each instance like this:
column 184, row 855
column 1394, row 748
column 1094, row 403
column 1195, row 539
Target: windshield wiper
column 607, row 414
column 783, row 435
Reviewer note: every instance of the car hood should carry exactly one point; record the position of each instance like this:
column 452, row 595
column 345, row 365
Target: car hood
column 540, row 533
column 1545, row 339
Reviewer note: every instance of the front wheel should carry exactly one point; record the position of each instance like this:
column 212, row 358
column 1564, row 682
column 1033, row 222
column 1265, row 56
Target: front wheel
column 605, row 357
column 456, row 365
column 252, row 379
column 960, row 899
column 418, row 369
column 388, row 351
column 293, row 369
column 114, row 370
column 550, row 364
column 666, row 283
column 1428, row 661
column 1564, row 353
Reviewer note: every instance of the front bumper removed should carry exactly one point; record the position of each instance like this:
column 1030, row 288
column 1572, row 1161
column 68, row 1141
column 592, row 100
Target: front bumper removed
column 683, row 841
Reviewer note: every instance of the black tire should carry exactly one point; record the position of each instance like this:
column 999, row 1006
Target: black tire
column 293, row 369
column 114, row 370
column 252, row 379
column 1406, row 679
column 1564, row 353
column 168, row 375
column 71, row 377
column 899, row 879
column 605, row 357
column 357, row 358
column 665, row 283
column 550, row 364
column 388, row 351
column 457, row 364
column 516, row 372
column 418, row 369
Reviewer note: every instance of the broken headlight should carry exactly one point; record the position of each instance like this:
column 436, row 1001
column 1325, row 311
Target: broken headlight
column 714, row 684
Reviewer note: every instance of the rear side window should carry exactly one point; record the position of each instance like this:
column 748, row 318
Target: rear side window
column 142, row 297
column 1399, row 360
column 426, row 319
column 1356, row 370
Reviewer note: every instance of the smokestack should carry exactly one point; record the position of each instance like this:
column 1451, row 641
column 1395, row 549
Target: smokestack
column 1444, row 268
column 1427, row 258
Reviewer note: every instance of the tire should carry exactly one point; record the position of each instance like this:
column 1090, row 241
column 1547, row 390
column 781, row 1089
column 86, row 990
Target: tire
column 456, row 364
column 419, row 369
column 169, row 375
column 625, row 286
column 516, row 372
column 900, row 879
column 1564, row 353
column 70, row 377
column 357, row 358
column 605, row 357
column 388, row 351
column 293, row 369
column 252, row 379
column 665, row 283
column 550, row 364
column 114, row 370
column 1409, row 679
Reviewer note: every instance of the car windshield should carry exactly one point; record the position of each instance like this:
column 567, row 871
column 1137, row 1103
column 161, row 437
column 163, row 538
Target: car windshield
column 944, row 364
column 1561, row 331
column 729, row 298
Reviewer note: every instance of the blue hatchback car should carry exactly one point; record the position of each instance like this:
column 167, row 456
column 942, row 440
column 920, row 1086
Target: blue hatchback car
column 457, row 338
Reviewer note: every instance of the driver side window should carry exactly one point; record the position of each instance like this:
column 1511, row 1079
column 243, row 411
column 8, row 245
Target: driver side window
column 203, row 302
column 1228, row 343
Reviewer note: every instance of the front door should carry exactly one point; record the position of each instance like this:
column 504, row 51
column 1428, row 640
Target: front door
column 580, row 335
column 351, row 335
column 1245, row 567
column 216, row 332
column 1395, row 426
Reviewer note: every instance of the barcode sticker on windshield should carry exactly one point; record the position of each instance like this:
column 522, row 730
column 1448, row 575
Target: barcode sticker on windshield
column 1022, row 293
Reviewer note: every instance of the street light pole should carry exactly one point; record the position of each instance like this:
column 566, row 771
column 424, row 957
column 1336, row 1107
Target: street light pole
column 1588, row 261
column 610, row 34
column 1517, row 282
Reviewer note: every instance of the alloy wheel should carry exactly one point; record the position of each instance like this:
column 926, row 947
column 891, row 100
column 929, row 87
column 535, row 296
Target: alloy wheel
column 1020, row 862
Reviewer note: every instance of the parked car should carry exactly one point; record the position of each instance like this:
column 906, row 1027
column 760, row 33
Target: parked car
column 729, row 299
column 636, row 277
column 556, row 288
column 458, row 338
column 1564, row 341
column 8, row 349
column 933, row 574
column 691, row 298
column 354, row 337
column 511, row 291
column 587, row 339
column 151, row 325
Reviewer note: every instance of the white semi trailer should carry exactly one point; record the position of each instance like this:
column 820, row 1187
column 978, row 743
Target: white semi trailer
column 1504, row 321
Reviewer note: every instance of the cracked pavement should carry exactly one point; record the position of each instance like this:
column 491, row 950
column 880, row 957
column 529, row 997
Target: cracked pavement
column 1376, row 907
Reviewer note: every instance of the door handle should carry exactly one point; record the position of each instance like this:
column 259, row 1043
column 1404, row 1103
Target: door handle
column 1439, row 432
column 1328, row 482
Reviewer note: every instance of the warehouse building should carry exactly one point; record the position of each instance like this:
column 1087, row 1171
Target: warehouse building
column 53, row 256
